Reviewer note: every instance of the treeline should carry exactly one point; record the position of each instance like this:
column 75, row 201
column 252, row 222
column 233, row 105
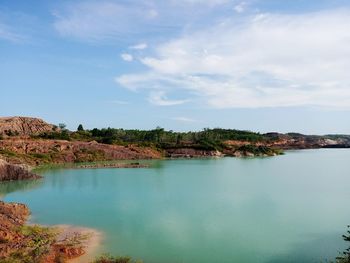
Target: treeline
column 209, row 139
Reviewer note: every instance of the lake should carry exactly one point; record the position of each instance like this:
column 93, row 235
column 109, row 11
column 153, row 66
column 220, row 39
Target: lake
column 289, row 208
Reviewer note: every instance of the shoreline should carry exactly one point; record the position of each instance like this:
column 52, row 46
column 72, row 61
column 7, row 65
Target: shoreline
column 21, row 238
column 91, row 245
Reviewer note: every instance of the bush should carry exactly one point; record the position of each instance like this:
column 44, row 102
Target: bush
column 37, row 242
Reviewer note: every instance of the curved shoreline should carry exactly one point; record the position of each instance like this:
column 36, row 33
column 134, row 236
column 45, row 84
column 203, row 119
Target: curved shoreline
column 22, row 239
column 91, row 245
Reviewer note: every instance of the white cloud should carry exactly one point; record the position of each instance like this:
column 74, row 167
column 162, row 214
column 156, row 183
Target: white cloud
column 119, row 102
column 184, row 119
column 107, row 20
column 268, row 60
column 205, row 2
column 159, row 98
column 97, row 21
column 139, row 46
column 127, row 57
column 240, row 8
column 152, row 13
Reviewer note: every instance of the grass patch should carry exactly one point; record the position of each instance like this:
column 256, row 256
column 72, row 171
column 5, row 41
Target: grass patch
column 7, row 153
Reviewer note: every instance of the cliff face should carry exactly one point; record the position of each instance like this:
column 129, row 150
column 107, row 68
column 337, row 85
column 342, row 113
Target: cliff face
column 10, row 172
column 23, row 126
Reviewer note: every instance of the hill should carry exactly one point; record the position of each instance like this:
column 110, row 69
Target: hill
column 21, row 126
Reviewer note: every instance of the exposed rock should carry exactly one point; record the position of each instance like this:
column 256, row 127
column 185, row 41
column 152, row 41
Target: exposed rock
column 40, row 151
column 19, row 241
column 23, row 126
column 301, row 141
column 10, row 172
column 191, row 153
column 12, row 216
column 111, row 165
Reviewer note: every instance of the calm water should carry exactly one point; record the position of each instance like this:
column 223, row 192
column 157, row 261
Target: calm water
column 290, row 208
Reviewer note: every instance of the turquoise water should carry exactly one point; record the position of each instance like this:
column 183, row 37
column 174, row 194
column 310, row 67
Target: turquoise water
column 290, row 208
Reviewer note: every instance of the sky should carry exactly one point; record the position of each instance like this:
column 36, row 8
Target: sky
column 260, row 65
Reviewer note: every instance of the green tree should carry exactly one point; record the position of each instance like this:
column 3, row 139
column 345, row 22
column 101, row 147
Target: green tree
column 80, row 127
column 62, row 126
column 345, row 257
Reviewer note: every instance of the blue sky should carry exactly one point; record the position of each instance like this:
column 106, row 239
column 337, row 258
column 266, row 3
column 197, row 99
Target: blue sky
column 262, row 65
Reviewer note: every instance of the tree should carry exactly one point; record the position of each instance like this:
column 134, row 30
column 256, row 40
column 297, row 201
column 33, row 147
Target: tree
column 80, row 127
column 345, row 256
column 62, row 126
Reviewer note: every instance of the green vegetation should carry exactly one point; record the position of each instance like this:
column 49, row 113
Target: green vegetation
column 7, row 153
column 110, row 259
column 160, row 137
column 43, row 156
column 345, row 255
column 36, row 243
column 258, row 150
column 54, row 135
column 11, row 133
column 27, row 158
column 208, row 139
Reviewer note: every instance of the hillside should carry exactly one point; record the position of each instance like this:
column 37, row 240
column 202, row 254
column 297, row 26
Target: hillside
column 21, row 126
column 34, row 142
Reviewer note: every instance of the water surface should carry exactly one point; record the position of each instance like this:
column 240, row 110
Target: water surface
column 290, row 208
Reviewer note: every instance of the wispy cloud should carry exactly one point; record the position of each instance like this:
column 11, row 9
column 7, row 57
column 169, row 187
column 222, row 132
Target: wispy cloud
column 240, row 8
column 97, row 21
column 127, row 57
column 139, row 46
column 185, row 119
column 107, row 20
column 265, row 60
column 8, row 34
column 119, row 102
column 205, row 2
column 159, row 98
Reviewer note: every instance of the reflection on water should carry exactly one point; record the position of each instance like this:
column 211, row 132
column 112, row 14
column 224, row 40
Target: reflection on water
column 284, row 209
column 25, row 185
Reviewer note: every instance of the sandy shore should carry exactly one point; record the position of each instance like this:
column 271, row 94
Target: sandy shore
column 91, row 245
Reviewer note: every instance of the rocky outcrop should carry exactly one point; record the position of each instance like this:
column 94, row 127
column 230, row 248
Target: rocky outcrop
column 12, row 216
column 191, row 153
column 11, row 172
column 301, row 141
column 26, row 243
column 23, row 126
column 40, row 151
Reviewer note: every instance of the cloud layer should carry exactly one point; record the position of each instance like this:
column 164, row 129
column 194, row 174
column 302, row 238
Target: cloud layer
column 264, row 60
column 107, row 20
